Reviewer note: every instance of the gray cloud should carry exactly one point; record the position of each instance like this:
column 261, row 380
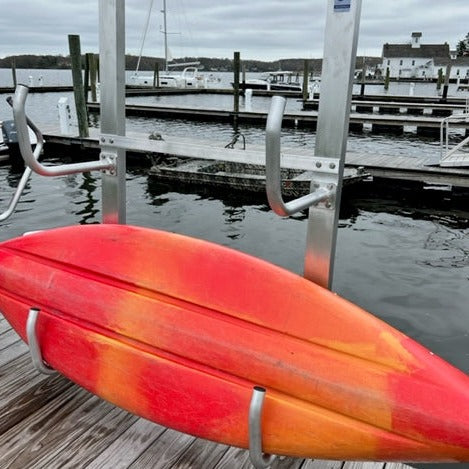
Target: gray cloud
column 264, row 29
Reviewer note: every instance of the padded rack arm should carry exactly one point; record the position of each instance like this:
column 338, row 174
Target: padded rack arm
column 258, row 459
column 34, row 347
column 30, row 158
column 273, row 170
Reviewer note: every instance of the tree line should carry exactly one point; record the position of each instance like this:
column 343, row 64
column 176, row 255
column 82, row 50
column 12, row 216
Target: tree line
column 30, row 61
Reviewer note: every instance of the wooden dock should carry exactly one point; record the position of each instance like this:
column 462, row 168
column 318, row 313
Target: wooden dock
column 424, row 170
column 130, row 90
column 435, row 109
column 425, row 125
column 50, row 423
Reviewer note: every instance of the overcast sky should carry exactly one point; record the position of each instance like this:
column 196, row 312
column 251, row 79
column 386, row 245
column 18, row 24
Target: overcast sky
column 260, row 29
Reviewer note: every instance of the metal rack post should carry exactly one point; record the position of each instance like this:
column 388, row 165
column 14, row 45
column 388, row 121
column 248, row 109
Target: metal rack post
column 340, row 47
column 112, row 75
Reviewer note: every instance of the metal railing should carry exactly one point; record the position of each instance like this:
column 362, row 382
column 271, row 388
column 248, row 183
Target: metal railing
column 447, row 154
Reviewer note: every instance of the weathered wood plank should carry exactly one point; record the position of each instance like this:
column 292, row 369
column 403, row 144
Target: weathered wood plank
column 68, row 432
column 321, row 464
column 284, row 462
column 22, row 445
column 7, row 338
column 165, row 451
column 396, row 465
column 235, row 458
column 201, row 453
column 128, row 447
column 4, row 325
column 363, row 465
column 24, row 390
column 15, row 350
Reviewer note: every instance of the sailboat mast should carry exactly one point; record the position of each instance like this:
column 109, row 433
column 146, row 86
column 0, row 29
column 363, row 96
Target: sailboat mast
column 147, row 22
column 165, row 32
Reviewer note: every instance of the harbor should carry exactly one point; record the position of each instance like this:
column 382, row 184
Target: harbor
column 158, row 446
column 151, row 307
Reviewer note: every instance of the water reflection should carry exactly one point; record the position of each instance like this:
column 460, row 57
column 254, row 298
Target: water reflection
column 86, row 197
column 411, row 201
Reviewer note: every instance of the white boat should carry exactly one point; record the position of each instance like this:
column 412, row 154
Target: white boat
column 278, row 81
column 188, row 78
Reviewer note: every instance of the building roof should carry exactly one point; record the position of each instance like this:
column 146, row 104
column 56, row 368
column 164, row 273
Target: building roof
column 423, row 51
column 461, row 61
column 443, row 61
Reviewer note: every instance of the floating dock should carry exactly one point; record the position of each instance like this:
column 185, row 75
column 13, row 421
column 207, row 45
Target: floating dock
column 400, row 105
column 424, row 170
column 50, row 423
column 392, row 123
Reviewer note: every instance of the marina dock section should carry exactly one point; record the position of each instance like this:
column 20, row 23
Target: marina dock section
column 392, row 123
column 397, row 168
column 50, row 423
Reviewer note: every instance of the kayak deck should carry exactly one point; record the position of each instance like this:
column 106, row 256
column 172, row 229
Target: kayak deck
column 51, row 423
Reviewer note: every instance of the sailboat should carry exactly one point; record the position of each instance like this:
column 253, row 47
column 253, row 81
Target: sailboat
column 188, row 78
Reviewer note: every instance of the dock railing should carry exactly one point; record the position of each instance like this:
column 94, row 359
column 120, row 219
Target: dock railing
column 453, row 156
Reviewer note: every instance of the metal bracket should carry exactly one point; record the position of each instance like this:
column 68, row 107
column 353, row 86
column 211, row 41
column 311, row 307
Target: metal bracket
column 110, row 158
column 258, row 459
column 34, row 347
column 326, row 169
column 115, row 141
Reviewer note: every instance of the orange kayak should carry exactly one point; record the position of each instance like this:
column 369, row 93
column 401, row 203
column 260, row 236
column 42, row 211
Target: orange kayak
column 179, row 331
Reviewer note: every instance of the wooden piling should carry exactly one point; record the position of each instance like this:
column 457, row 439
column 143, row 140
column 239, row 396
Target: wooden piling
column 439, row 81
column 156, row 75
column 78, row 90
column 362, row 88
column 446, row 85
column 236, row 68
column 13, row 71
column 305, row 80
column 93, row 75
column 387, row 79
column 86, row 86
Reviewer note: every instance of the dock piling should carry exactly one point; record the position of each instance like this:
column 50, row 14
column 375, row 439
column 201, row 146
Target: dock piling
column 305, row 80
column 64, row 116
column 236, row 68
column 80, row 104
column 363, row 84
column 13, row 71
column 156, row 75
column 387, row 79
column 86, row 86
column 446, row 85
column 93, row 75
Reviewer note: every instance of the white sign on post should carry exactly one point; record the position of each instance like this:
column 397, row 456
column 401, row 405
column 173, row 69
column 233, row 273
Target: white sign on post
column 342, row 5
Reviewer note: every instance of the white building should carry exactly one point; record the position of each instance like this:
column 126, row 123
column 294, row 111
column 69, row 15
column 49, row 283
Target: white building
column 414, row 60
column 460, row 68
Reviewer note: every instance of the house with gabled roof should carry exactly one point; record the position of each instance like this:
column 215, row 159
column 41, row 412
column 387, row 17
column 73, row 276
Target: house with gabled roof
column 414, row 60
column 460, row 68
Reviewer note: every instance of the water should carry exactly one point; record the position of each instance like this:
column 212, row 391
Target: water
column 401, row 254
